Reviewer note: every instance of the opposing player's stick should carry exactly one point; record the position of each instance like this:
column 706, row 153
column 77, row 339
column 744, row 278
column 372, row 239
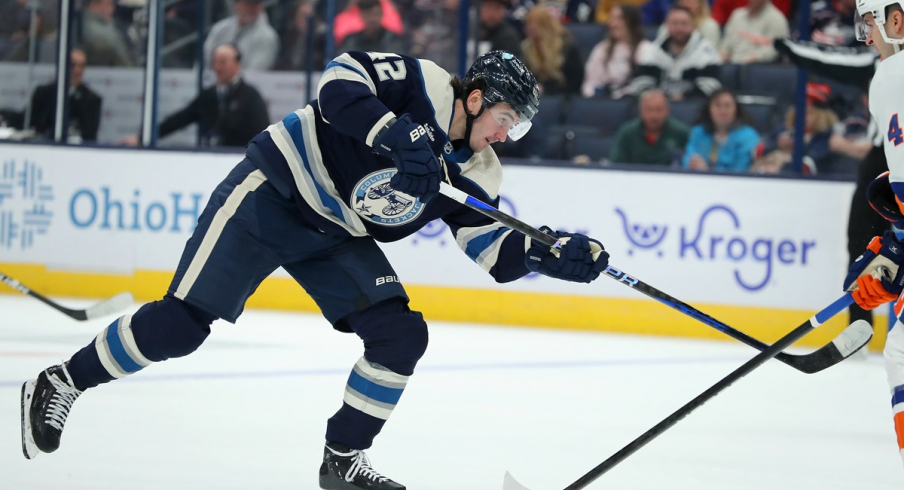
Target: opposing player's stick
column 828, row 312
column 847, row 342
column 105, row 307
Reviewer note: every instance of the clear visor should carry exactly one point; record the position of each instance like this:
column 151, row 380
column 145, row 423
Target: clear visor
column 510, row 121
column 861, row 29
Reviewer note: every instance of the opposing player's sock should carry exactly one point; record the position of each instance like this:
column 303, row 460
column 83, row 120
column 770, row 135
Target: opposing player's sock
column 46, row 402
column 349, row 469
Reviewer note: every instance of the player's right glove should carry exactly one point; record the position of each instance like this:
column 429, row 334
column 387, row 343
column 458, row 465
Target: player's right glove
column 876, row 277
column 406, row 143
column 581, row 258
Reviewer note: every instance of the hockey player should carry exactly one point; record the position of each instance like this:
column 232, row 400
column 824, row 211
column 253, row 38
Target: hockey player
column 314, row 194
column 877, row 276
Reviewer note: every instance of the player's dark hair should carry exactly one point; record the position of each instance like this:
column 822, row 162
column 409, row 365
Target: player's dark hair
column 462, row 89
column 895, row 7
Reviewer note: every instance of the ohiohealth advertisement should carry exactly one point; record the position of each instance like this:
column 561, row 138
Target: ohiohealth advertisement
column 709, row 238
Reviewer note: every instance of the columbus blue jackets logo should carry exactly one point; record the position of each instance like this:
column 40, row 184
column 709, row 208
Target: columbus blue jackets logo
column 376, row 201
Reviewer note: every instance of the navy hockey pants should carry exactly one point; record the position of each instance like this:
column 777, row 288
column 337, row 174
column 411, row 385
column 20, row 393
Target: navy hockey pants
column 246, row 232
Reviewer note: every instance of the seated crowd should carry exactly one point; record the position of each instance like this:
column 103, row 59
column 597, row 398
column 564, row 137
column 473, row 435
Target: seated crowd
column 677, row 75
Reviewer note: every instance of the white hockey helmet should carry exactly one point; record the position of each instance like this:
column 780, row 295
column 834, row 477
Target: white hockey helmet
column 877, row 8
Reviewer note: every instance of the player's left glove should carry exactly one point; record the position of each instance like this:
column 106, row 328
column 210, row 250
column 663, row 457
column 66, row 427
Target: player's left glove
column 876, row 277
column 581, row 258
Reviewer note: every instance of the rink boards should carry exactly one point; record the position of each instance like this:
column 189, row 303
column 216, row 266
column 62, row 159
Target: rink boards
column 760, row 254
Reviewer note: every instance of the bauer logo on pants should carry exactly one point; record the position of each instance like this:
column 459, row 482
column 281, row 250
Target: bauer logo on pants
column 376, row 201
column 24, row 204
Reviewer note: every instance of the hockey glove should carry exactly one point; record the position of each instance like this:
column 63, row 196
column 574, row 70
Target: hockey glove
column 406, row 143
column 580, row 259
column 876, row 277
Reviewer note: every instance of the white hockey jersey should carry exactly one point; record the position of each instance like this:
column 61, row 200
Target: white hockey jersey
column 886, row 104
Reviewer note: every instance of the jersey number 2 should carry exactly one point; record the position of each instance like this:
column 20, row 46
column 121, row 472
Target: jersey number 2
column 894, row 131
column 386, row 70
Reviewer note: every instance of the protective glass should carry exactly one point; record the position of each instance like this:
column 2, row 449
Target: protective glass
column 861, row 29
column 509, row 120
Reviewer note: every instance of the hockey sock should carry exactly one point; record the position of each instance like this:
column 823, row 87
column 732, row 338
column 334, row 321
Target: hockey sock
column 156, row 332
column 371, row 394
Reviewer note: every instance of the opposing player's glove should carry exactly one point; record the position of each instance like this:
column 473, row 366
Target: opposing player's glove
column 876, row 277
column 581, row 258
column 406, row 143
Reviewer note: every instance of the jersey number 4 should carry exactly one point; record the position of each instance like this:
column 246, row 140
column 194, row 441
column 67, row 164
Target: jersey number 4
column 894, row 131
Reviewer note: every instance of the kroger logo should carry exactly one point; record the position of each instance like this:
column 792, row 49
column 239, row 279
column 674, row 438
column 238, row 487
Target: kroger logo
column 710, row 240
column 24, row 204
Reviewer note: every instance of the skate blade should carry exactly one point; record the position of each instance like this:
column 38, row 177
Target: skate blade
column 29, row 448
column 509, row 483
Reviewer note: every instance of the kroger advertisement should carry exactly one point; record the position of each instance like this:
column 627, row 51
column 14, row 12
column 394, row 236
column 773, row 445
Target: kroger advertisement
column 702, row 238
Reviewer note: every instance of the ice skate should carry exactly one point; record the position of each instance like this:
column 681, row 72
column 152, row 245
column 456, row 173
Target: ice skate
column 349, row 469
column 46, row 402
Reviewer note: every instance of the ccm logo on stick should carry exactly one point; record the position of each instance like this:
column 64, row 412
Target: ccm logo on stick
column 386, row 279
column 621, row 276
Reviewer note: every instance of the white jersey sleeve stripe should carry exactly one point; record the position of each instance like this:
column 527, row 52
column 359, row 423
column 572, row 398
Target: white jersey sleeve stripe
column 377, row 127
column 344, row 67
column 482, row 243
column 293, row 133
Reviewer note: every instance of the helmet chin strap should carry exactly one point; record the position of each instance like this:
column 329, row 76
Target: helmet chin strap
column 469, row 123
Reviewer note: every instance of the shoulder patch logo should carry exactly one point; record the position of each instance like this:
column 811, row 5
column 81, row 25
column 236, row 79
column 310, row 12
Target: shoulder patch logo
column 379, row 203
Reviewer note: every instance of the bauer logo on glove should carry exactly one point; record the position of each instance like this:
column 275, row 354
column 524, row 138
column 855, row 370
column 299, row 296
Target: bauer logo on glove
column 876, row 277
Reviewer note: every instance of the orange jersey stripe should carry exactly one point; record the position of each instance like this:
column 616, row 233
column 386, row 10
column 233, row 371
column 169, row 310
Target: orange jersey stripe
column 899, row 428
column 876, row 243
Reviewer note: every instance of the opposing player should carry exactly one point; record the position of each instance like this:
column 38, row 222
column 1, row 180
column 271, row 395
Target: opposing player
column 314, row 193
column 877, row 276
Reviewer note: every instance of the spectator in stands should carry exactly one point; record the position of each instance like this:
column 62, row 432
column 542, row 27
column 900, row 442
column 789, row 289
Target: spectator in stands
column 84, row 105
column 433, row 25
column 104, row 43
column 825, row 147
column 758, row 18
column 374, row 37
column 495, row 31
column 683, row 64
column 14, row 29
column 295, row 52
column 832, row 22
column 722, row 9
column 654, row 138
column 604, row 8
column 228, row 113
column 551, row 54
column 703, row 22
column 250, row 31
column 723, row 141
column 652, row 12
column 612, row 61
column 349, row 20
column 176, row 29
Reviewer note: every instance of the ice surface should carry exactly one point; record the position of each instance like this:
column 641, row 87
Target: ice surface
column 249, row 410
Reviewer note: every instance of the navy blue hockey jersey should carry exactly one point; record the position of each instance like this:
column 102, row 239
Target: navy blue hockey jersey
column 322, row 156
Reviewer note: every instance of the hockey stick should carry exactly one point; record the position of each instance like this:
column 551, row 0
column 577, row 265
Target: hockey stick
column 105, row 307
column 828, row 312
column 849, row 341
